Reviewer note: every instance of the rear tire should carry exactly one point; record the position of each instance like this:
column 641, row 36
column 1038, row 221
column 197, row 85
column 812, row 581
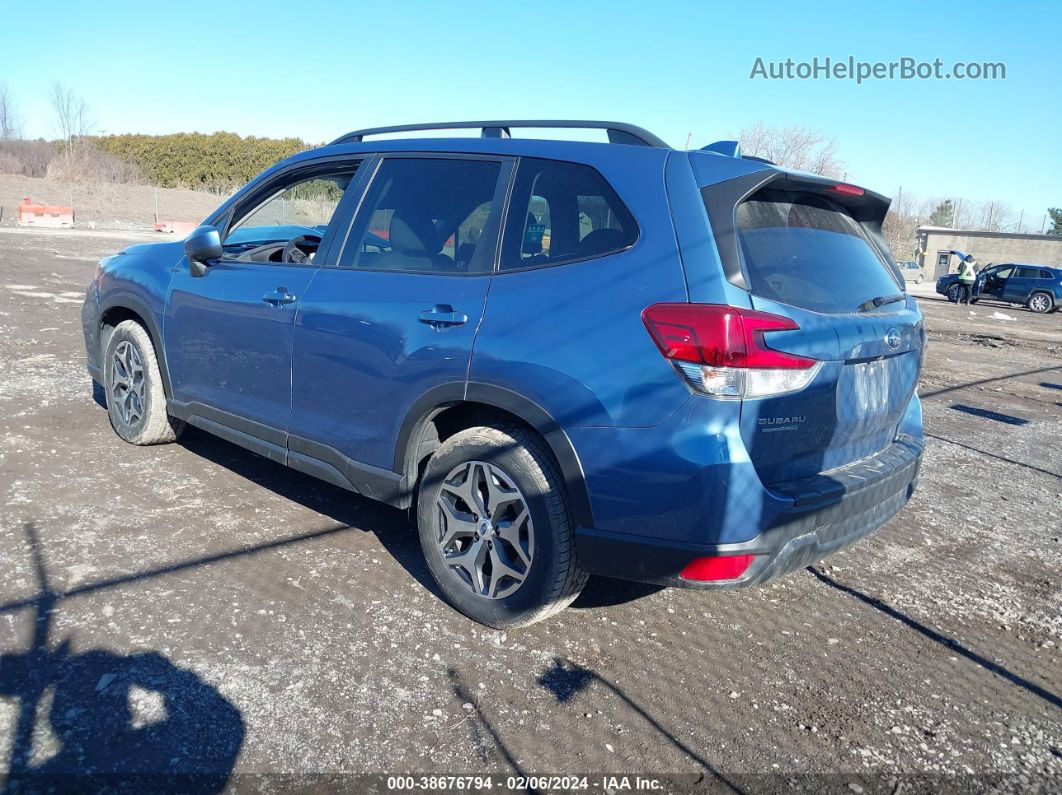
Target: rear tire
column 136, row 399
column 1041, row 303
column 496, row 529
column 953, row 294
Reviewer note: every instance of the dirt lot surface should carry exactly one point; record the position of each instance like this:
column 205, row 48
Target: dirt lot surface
column 192, row 607
column 106, row 205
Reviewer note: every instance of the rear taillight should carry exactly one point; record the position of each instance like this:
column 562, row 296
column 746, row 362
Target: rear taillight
column 715, row 569
column 720, row 350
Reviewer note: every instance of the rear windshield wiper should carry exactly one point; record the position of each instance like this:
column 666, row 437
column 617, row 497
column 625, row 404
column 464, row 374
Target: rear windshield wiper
column 880, row 301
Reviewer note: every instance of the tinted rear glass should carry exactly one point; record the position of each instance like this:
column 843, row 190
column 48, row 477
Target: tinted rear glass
column 563, row 212
column 805, row 250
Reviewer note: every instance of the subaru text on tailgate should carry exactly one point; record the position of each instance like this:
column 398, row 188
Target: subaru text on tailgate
column 565, row 358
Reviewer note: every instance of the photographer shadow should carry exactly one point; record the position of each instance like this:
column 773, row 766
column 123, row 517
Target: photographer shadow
column 118, row 721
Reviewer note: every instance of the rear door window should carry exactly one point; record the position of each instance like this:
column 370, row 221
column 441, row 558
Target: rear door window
column 807, row 251
column 563, row 212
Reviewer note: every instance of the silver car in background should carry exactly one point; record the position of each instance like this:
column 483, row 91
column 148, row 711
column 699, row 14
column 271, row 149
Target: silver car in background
column 912, row 272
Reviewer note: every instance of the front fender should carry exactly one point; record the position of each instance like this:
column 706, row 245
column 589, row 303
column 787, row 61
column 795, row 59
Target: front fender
column 136, row 282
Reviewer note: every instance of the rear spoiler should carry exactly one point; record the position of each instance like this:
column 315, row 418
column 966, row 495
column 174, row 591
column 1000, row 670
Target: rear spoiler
column 722, row 199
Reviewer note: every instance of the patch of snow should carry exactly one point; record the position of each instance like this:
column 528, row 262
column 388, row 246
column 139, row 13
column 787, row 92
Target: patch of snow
column 1001, row 316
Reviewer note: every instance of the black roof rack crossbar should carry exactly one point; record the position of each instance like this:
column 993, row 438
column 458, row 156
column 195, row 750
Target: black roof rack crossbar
column 618, row 132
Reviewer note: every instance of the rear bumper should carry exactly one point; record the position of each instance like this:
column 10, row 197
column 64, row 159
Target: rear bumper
column 829, row 512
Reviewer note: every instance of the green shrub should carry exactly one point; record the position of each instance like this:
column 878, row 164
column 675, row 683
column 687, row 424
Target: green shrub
column 217, row 162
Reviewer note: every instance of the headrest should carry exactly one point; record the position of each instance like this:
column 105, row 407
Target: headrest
column 412, row 232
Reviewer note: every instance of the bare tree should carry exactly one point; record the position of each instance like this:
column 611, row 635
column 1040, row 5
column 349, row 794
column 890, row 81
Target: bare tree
column 10, row 126
column 73, row 119
column 901, row 224
column 793, row 147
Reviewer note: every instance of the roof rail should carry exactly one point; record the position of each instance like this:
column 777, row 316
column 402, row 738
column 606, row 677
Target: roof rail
column 618, row 132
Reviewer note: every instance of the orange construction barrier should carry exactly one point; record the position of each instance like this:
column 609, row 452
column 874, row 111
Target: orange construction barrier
column 55, row 217
column 183, row 228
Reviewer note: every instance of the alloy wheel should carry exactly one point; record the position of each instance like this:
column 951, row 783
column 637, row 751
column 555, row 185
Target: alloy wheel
column 485, row 535
column 1039, row 303
column 127, row 383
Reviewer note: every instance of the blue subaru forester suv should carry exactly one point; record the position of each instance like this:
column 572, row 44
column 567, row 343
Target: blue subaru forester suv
column 687, row 368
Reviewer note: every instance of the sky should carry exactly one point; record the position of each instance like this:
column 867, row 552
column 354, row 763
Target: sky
column 315, row 70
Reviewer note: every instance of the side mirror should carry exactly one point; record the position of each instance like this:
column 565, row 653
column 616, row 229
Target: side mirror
column 202, row 246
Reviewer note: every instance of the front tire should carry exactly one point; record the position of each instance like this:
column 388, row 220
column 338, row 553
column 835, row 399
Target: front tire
column 496, row 528
column 136, row 399
column 1041, row 303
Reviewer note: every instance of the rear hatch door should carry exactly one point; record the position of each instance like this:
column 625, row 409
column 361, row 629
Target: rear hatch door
column 812, row 252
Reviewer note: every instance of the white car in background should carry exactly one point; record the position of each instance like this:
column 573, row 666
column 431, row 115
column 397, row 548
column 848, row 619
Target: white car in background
column 912, row 272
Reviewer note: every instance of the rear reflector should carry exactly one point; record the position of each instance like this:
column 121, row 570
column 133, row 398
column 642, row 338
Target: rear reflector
column 720, row 350
column 715, row 569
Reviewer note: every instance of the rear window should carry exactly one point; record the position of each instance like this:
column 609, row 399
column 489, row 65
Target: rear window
column 805, row 250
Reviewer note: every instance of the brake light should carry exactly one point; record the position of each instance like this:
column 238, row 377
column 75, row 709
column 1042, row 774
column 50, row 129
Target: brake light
column 721, row 351
column 851, row 190
column 715, row 569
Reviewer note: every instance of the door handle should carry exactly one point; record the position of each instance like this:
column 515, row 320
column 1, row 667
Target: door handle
column 279, row 297
column 443, row 316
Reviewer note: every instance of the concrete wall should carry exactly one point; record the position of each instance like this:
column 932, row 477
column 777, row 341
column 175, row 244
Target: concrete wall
column 986, row 247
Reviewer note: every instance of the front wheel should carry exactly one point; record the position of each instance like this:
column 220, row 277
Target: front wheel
column 496, row 528
column 920, row 279
column 1041, row 303
column 136, row 399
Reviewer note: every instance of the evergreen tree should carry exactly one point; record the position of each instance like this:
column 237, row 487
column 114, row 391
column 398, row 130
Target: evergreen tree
column 943, row 215
column 1056, row 220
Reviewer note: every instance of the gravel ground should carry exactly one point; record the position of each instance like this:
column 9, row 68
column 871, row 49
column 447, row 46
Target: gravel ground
column 193, row 607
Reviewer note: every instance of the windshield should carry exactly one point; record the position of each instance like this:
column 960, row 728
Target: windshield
column 804, row 250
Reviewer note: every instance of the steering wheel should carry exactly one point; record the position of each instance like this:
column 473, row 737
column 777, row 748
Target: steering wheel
column 292, row 253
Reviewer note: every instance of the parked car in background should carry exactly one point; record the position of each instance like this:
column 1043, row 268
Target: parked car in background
column 1037, row 287
column 686, row 368
column 911, row 271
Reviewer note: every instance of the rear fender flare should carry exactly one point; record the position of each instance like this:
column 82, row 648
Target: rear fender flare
column 438, row 399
